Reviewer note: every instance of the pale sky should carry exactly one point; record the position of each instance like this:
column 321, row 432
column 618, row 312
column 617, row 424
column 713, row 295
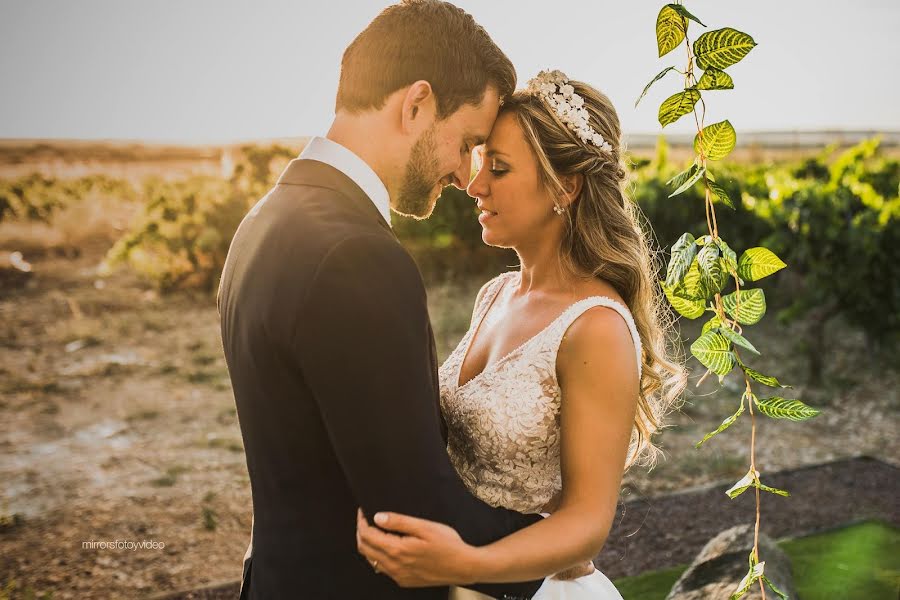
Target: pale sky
column 219, row 70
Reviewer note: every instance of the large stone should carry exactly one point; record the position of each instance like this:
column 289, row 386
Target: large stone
column 722, row 564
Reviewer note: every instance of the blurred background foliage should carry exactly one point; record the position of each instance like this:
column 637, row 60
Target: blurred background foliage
column 832, row 217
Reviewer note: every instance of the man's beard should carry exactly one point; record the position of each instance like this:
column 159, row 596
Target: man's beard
column 421, row 176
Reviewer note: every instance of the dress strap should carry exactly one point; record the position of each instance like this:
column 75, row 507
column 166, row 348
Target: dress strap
column 491, row 290
column 571, row 314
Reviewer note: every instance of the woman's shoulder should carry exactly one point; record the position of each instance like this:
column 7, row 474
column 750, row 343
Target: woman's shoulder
column 601, row 330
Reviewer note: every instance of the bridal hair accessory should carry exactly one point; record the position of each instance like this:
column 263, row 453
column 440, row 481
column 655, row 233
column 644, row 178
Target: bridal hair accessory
column 554, row 88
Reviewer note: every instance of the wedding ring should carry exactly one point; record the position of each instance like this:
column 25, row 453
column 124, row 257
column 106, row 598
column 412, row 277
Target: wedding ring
column 375, row 565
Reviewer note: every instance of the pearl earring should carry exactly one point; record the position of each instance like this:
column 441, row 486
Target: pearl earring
column 558, row 209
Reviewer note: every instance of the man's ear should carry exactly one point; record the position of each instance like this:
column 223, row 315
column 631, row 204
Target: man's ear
column 419, row 107
column 571, row 187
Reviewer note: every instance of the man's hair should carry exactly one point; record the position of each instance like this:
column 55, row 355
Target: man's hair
column 423, row 40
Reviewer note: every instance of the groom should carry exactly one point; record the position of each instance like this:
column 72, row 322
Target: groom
column 324, row 319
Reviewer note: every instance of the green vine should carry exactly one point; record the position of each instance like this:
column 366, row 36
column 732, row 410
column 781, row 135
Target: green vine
column 700, row 268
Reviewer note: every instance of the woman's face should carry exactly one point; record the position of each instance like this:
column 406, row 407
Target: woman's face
column 516, row 209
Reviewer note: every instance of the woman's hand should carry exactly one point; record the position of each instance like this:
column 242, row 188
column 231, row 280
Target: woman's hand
column 426, row 554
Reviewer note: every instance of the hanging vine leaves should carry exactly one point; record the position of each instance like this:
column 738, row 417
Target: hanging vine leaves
column 781, row 408
column 678, row 105
column 716, row 141
column 671, row 27
column 759, row 262
column 654, row 80
column 715, row 79
column 752, row 306
column 700, row 268
column 722, row 48
column 683, row 253
column 696, row 174
column 713, row 351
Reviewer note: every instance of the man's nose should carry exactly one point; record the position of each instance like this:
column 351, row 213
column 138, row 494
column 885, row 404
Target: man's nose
column 477, row 187
column 461, row 175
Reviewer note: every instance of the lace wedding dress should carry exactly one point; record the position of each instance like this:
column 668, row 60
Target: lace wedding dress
column 504, row 431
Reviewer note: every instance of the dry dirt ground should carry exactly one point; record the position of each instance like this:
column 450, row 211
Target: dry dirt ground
column 117, row 423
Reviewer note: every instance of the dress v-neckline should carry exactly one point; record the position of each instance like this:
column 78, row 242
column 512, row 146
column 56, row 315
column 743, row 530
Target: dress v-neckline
column 474, row 331
column 477, row 329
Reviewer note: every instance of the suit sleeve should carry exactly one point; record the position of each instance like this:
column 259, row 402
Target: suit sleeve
column 365, row 346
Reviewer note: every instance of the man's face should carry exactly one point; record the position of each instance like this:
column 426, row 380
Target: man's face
column 442, row 156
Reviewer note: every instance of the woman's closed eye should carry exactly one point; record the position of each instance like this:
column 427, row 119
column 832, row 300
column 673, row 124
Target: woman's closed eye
column 498, row 169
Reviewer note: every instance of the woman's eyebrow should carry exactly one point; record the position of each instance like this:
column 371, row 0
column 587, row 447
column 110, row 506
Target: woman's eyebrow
column 492, row 153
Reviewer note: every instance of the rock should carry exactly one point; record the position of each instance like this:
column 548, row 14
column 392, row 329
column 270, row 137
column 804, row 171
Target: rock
column 722, row 564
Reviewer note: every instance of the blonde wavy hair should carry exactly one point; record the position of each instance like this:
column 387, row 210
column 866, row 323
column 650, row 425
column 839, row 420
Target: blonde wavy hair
column 604, row 236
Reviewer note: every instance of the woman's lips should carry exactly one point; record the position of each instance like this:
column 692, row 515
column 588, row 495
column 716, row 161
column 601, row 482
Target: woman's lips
column 485, row 216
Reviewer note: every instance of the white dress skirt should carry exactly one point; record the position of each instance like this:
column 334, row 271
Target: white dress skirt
column 595, row 586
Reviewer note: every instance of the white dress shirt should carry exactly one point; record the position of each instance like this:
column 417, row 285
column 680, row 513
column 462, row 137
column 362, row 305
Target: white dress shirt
column 344, row 160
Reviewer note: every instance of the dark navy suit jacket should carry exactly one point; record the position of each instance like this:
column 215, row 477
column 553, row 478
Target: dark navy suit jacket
column 331, row 355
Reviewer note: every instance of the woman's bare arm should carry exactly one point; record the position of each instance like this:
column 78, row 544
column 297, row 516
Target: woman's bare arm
column 599, row 382
column 598, row 376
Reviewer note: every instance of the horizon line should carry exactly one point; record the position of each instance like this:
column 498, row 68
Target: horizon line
column 162, row 141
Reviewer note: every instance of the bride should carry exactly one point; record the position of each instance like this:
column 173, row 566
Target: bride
column 565, row 371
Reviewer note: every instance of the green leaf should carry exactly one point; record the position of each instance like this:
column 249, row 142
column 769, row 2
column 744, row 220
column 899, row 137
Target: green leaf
column 671, row 28
column 757, row 263
column 743, row 483
column 683, row 252
column 711, row 274
column 772, row 490
column 689, row 182
column 716, row 141
column 725, row 425
column 678, row 105
column 655, row 79
column 781, row 594
column 729, row 258
column 737, row 338
column 752, row 306
column 680, row 9
column 683, row 176
column 755, row 572
column 713, row 351
column 781, row 408
column 689, row 307
column 691, row 287
column 713, row 323
column 763, row 379
column 720, row 193
column 722, row 48
column 715, row 79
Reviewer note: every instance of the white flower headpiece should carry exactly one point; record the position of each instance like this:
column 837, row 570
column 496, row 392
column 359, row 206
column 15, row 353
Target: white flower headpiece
column 554, row 88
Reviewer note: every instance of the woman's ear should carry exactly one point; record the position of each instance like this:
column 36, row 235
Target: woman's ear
column 419, row 107
column 571, row 188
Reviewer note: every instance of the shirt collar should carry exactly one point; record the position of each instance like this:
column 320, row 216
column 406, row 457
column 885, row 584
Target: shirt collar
column 331, row 153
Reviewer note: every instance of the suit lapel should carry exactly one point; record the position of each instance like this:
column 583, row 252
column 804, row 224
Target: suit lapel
column 302, row 171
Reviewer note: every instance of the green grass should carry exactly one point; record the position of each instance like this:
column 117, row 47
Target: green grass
column 858, row 561
column 650, row 586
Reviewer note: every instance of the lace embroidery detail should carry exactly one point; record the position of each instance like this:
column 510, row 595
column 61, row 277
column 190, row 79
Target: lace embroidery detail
column 504, row 424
